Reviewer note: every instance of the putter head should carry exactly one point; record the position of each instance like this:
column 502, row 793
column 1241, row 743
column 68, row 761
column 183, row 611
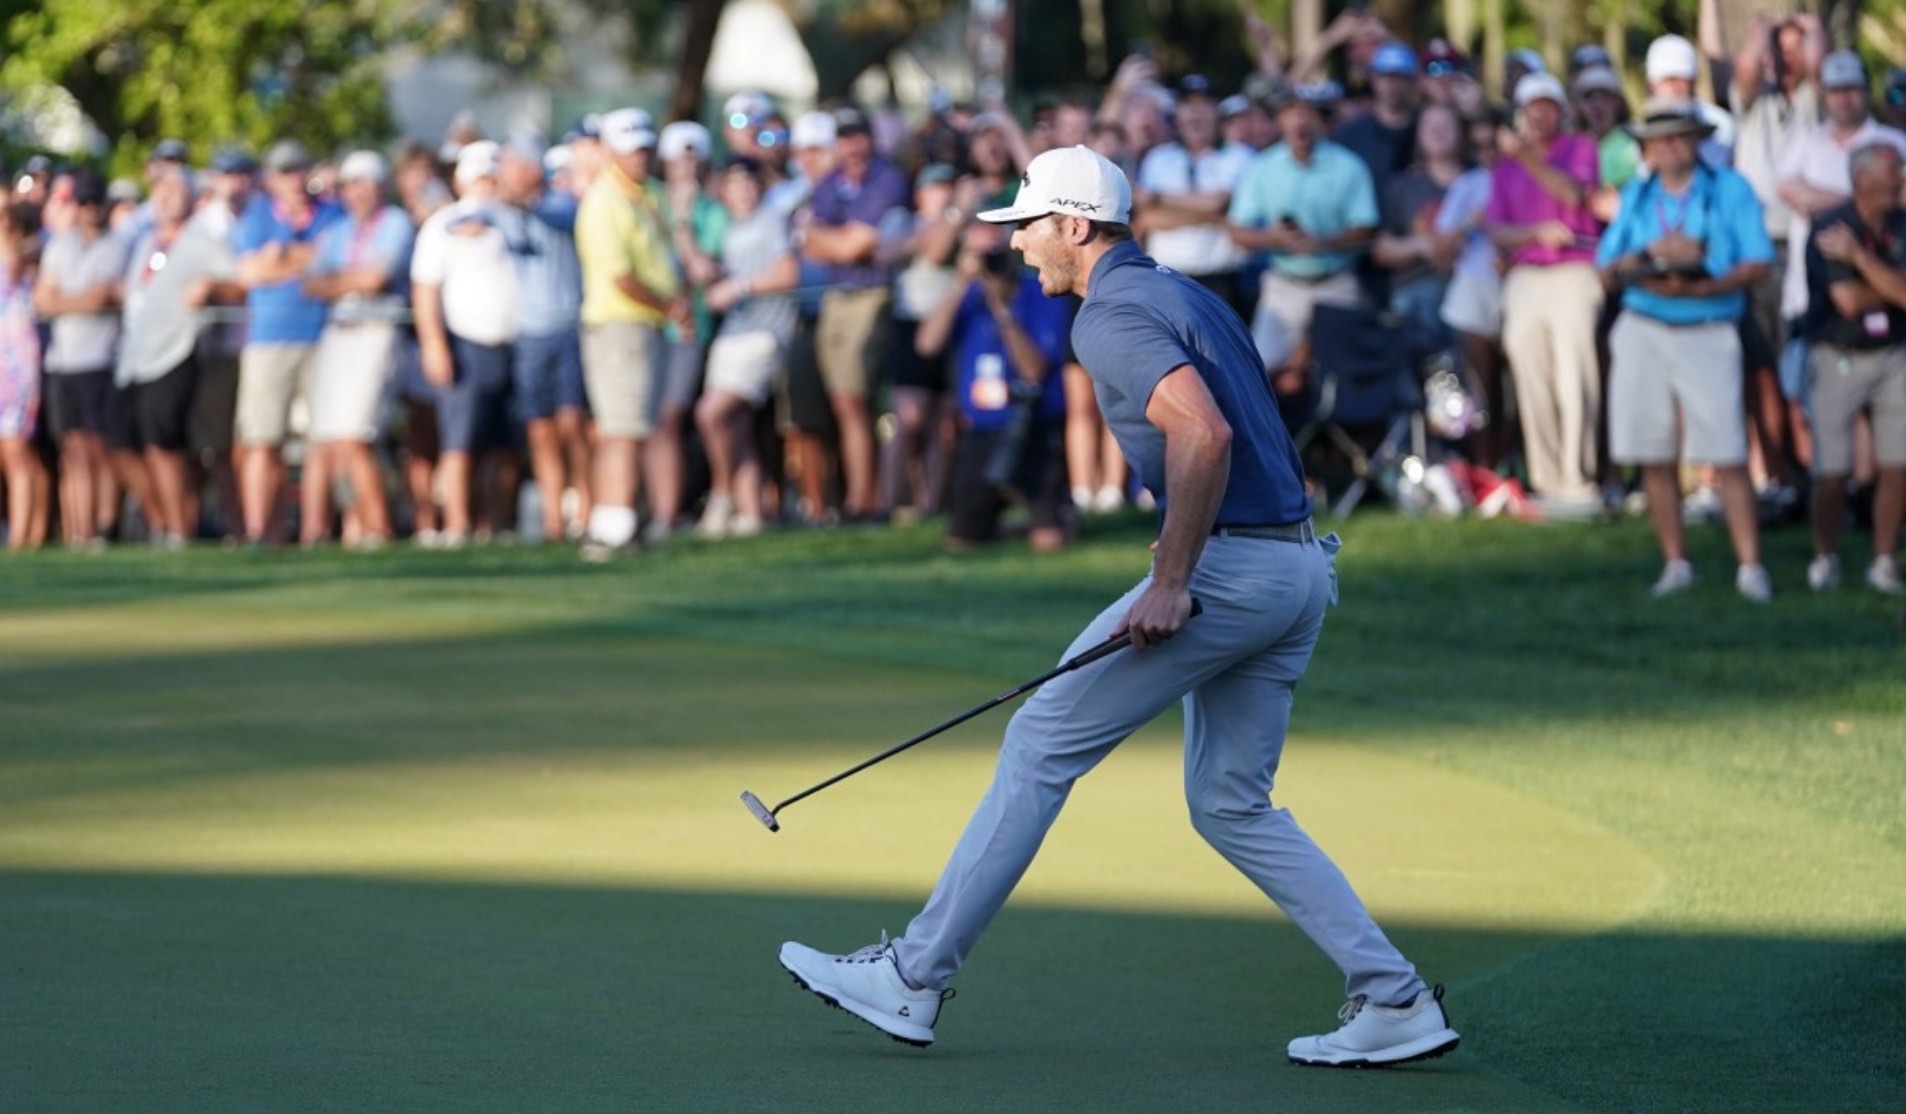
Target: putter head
column 760, row 811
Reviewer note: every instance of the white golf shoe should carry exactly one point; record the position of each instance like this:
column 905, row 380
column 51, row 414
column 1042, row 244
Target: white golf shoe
column 867, row 984
column 1378, row 1036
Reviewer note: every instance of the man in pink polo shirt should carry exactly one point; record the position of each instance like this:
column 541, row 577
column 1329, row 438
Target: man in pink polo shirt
column 1539, row 214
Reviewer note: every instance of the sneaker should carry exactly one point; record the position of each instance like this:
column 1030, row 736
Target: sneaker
column 1823, row 572
column 1883, row 576
column 1378, row 1036
column 1702, row 506
column 1676, row 576
column 716, row 519
column 1109, row 500
column 744, row 526
column 1753, row 583
column 867, row 984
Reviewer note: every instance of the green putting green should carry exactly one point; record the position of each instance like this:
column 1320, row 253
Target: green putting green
column 461, row 832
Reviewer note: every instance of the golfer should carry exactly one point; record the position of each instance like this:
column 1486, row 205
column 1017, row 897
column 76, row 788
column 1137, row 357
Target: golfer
column 1184, row 391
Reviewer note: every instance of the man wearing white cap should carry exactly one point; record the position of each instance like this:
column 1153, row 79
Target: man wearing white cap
column 1672, row 69
column 465, row 297
column 1541, row 214
column 630, row 291
column 811, row 146
column 360, row 270
column 1179, row 382
column 742, row 117
column 547, row 392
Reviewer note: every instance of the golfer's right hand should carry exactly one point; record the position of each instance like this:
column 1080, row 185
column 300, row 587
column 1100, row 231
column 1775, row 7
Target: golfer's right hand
column 1157, row 614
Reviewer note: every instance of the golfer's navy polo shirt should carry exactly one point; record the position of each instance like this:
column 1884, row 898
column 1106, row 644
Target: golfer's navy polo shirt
column 1140, row 321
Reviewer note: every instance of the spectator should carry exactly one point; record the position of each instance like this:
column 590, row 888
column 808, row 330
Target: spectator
column 1814, row 175
column 465, row 298
column 1312, row 205
column 359, row 269
column 539, row 224
column 806, row 419
column 1673, row 66
column 77, row 292
column 995, row 152
column 1539, row 213
column 923, row 248
column 1856, row 280
column 749, row 354
column 811, row 141
column 1517, row 65
column 1689, row 244
column 848, row 209
column 276, row 241
column 1138, row 106
column 696, row 224
column 1008, row 341
column 1775, row 94
column 587, row 153
column 218, row 301
column 630, row 291
column 126, row 213
column 1893, row 98
column 422, row 192
column 25, row 477
column 1604, row 108
column 1449, row 77
column 743, row 116
column 1418, row 256
column 1472, row 306
column 157, row 366
column 1385, row 137
column 1184, row 193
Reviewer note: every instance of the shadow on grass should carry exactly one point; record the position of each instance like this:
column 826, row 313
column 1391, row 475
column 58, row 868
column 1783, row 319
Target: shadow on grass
column 215, row 993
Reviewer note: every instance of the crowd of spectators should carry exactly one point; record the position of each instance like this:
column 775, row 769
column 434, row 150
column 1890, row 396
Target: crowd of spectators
column 795, row 318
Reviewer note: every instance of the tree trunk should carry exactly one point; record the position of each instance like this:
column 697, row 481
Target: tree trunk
column 698, row 42
column 1459, row 24
column 1494, row 46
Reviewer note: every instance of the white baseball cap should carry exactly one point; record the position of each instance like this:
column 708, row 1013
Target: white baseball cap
column 477, row 160
column 363, row 166
column 813, row 129
column 1672, row 56
column 1076, row 181
column 747, row 106
column 1540, row 87
column 682, row 137
column 627, row 130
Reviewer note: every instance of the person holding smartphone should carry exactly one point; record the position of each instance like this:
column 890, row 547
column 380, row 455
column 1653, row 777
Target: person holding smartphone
column 1688, row 245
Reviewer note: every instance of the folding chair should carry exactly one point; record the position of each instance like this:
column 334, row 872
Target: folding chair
column 1363, row 382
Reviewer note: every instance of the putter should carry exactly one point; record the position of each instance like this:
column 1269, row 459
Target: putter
column 768, row 816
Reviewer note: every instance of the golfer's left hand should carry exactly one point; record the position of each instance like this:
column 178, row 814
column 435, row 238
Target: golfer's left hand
column 1157, row 614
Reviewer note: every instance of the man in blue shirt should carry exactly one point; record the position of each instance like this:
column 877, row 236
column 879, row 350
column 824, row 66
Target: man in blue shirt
column 551, row 405
column 1313, row 206
column 1178, row 381
column 276, row 240
column 1689, row 242
column 1009, row 351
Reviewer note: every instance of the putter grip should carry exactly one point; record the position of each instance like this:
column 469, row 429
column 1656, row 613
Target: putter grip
column 1114, row 645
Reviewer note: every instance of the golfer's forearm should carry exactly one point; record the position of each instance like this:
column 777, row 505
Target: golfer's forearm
column 1197, row 462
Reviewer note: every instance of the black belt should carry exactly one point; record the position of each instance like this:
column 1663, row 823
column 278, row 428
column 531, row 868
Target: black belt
column 1298, row 532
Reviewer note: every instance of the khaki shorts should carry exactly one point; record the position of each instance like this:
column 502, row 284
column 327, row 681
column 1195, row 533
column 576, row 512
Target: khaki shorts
column 1293, row 303
column 1657, row 370
column 352, row 366
column 274, row 380
column 1844, row 382
column 622, row 366
column 844, row 338
column 745, row 365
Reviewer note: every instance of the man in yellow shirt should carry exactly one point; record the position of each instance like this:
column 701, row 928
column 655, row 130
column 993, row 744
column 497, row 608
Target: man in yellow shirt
column 630, row 290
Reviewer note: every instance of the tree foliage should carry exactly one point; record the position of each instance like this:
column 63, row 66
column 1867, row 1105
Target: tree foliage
column 211, row 71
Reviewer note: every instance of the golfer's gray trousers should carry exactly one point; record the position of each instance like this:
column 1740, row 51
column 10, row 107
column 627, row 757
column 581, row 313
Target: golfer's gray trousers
column 1236, row 668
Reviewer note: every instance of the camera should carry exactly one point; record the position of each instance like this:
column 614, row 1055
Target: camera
column 999, row 263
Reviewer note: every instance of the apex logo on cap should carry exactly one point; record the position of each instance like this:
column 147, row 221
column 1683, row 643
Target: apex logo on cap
column 1082, row 206
column 1026, row 180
